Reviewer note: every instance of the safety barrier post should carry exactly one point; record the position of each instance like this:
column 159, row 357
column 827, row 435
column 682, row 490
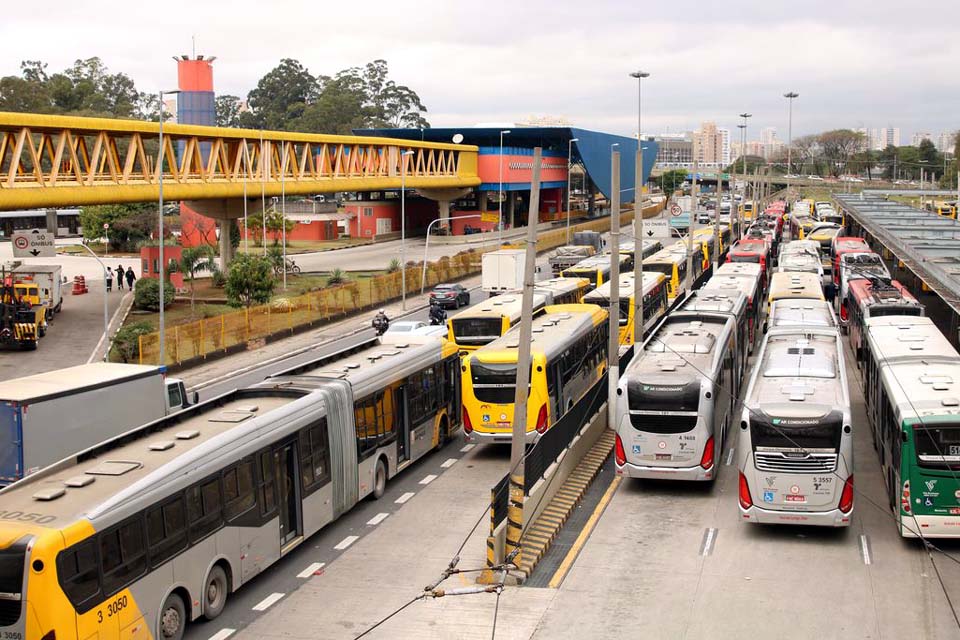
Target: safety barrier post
column 223, row 332
column 203, row 344
column 140, row 349
column 176, row 344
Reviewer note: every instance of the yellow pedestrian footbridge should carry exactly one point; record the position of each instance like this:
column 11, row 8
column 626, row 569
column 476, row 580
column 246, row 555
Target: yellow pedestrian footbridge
column 57, row 161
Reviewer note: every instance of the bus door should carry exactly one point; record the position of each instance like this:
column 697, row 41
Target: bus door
column 285, row 462
column 402, row 423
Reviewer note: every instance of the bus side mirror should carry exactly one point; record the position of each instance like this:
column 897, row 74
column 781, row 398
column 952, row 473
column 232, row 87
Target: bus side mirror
column 195, row 397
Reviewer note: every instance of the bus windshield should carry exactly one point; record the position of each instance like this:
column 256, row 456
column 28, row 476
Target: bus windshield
column 477, row 330
column 11, row 577
column 938, row 447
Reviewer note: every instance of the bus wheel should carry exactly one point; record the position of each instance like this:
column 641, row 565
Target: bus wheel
column 379, row 479
column 173, row 618
column 215, row 593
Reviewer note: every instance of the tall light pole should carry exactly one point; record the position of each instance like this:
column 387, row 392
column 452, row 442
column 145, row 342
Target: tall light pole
column 790, row 95
column 743, row 153
column 569, row 158
column 163, row 267
column 500, row 192
column 638, row 319
column 403, row 227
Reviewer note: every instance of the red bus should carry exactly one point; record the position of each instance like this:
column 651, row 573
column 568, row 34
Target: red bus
column 870, row 299
column 845, row 244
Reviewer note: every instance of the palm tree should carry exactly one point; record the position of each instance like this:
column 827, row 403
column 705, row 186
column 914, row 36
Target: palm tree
column 192, row 261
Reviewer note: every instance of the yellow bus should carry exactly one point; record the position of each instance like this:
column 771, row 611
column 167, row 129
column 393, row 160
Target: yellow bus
column 746, row 211
column 650, row 247
column 486, row 321
column 707, row 232
column 596, row 269
column 139, row 535
column 672, row 262
column 569, row 356
column 562, row 290
column 788, row 285
column 654, row 302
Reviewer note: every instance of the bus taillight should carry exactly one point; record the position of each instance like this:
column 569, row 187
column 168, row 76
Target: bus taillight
column 706, row 460
column 905, row 497
column 467, row 426
column 846, row 498
column 619, row 455
column 745, row 500
column 843, row 311
column 542, row 419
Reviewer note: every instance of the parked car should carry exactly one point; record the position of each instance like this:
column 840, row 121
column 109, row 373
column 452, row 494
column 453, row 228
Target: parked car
column 405, row 326
column 450, row 295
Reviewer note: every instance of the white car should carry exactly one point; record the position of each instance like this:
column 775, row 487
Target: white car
column 811, row 177
column 438, row 330
column 406, row 326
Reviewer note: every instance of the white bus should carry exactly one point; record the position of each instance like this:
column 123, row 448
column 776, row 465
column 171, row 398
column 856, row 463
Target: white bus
column 796, row 438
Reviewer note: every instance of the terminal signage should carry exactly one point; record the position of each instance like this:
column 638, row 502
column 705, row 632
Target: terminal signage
column 33, row 243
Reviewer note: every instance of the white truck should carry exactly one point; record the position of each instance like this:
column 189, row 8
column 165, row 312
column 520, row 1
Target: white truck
column 48, row 416
column 502, row 270
column 49, row 279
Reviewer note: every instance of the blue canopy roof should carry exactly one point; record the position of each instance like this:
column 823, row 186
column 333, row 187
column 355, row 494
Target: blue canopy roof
column 592, row 147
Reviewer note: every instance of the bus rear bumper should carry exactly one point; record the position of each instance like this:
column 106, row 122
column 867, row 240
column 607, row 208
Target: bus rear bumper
column 696, row 474
column 930, row 526
column 832, row 518
column 500, row 437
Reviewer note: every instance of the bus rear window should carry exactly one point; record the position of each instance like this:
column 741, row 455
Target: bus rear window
column 494, row 383
column 11, row 582
column 477, row 331
column 650, row 397
column 746, row 257
column 937, row 447
column 791, row 434
column 892, row 310
column 625, row 306
column 666, row 268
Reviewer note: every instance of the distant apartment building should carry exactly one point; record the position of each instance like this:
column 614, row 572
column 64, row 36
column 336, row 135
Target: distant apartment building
column 768, row 135
column 725, row 148
column 946, row 141
column 674, row 150
column 708, row 144
column 880, row 139
column 919, row 137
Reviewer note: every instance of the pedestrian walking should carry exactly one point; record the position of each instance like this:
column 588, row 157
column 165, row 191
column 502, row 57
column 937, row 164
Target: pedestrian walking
column 109, row 278
column 130, row 277
column 120, row 272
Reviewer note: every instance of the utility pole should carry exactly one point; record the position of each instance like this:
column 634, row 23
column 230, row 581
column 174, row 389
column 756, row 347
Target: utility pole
column 790, row 95
column 688, row 281
column 613, row 350
column 519, row 441
column 638, row 319
column 716, row 224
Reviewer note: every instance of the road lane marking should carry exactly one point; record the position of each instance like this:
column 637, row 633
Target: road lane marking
column 709, row 538
column 312, row 569
column 465, row 448
column 223, row 634
column 268, row 602
column 346, row 542
column 729, row 457
column 402, row 499
column 865, row 549
column 449, row 462
column 584, row 534
column 377, row 519
column 430, row 478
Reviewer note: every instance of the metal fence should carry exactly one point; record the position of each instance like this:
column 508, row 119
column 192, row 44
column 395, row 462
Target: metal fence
column 201, row 338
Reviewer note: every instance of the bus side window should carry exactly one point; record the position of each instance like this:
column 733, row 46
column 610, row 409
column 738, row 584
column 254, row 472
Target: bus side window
column 166, row 531
column 266, row 485
column 79, row 574
column 123, row 555
column 238, row 494
column 203, row 508
column 315, row 464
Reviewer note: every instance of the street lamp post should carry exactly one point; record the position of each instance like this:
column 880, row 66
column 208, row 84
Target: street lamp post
column 500, row 192
column 163, row 267
column 790, row 95
column 569, row 158
column 743, row 153
column 638, row 324
column 403, row 227
column 426, row 247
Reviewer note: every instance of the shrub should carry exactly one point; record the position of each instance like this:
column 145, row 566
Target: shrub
column 146, row 294
column 394, row 266
column 250, row 280
column 337, row 276
column 126, row 344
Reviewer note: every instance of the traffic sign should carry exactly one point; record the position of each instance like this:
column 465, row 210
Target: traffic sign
column 656, row 229
column 675, row 209
column 35, row 243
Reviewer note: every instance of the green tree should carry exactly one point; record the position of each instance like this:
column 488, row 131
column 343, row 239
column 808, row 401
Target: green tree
column 228, row 111
column 838, row 147
column 672, row 180
column 255, row 226
column 192, row 261
column 282, row 95
column 146, row 294
column 275, row 224
column 753, row 162
column 130, row 224
column 250, row 280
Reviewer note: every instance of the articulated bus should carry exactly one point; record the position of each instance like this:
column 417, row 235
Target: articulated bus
column 569, row 356
column 141, row 534
column 727, row 302
column 872, row 299
column 796, row 437
column 672, row 262
column 596, row 269
column 561, row 290
column 486, row 321
column 795, row 314
column 795, row 285
column 675, row 400
column 745, row 277
column 650, row 247
column 911, row 374
column 725, row 238
column 654, row 302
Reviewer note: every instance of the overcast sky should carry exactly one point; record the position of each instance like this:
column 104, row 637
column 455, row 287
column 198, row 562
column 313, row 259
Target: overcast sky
column 855, row 63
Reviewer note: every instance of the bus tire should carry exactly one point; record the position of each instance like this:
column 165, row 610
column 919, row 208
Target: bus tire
column 379, row 479
column 173, row 618
column 215, row 590
column 443, row 437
